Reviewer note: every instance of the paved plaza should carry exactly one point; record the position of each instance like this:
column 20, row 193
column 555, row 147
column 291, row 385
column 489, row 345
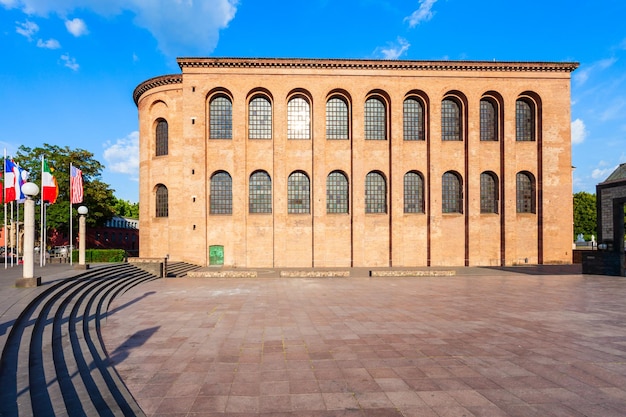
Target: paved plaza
column 487, row 342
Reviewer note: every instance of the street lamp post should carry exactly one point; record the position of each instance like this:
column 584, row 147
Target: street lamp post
column 82, row 237
column 28, row 279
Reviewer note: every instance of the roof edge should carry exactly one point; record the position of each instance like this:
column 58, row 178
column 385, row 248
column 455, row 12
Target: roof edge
column 155, row 82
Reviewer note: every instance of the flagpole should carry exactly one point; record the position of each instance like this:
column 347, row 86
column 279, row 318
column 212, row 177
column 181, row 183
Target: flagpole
column 4, row 200
column 42, row 241
column 71, row 235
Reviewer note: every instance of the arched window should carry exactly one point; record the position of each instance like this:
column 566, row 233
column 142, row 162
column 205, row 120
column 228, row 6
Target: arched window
column 260, row 193
column 488, row 121
column 298, row 119
column 375, row 193
column 413, row 119
column 336, row 119
column 413, row 192
column 524, row 121
column 161, row 201
column 336, row 193
column 451, row 194
column 450, row 120
column 525, row 192
column 161, row 137
column 221, row 199
column 375, row 119
column 298, row 193
column 221, row 118
column 488, row 192
column 260, row 118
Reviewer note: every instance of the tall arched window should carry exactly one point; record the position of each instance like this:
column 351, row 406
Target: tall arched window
column 375, row 193
column 375, row 119
column 298, row 193
column 488, row 121
column 260, row 118
column 336, row 193
column 524, row 121
column 161, row 201
column 162, row 138
column 488, row 192
column 451, row 193
column 413, row 119
column 413, row 192
column 298, row 119
column 221, row 118
column 337, row 119
column 221, row 193
column 450, row 120
column 525, row 192
column 260, row 193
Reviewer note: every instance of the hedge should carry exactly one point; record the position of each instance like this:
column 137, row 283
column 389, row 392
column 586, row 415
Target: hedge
column 101, row 255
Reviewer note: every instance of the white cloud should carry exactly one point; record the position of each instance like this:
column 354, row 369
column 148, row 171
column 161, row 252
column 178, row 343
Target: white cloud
column 76, row 27
column 123, row 155
column 70, row 62
column 582, row 74
column 423, row 14
column 181, row 27
column 579, row 131
column 394, row 51
column 27, row 29
column 49, row 44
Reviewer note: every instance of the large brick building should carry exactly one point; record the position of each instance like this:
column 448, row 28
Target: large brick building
column 340, row 163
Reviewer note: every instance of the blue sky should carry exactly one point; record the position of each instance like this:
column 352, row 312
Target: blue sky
column 70, row 67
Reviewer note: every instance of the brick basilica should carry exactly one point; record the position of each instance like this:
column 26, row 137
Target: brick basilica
column 253, row 163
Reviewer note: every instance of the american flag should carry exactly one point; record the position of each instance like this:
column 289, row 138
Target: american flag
column 76, row 185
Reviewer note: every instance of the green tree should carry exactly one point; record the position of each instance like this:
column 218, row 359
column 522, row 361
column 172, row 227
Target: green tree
column 125, row 208
column 97, row 195
column 585, row 214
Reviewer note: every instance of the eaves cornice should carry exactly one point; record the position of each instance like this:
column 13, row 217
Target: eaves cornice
column 361, row 64
column 156, row 82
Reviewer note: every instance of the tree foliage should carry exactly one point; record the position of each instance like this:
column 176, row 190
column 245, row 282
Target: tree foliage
column 125, row 208
column 585, row 214
column 98, row 196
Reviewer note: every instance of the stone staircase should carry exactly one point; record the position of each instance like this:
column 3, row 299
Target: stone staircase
column 179, row 269
column 54, row 361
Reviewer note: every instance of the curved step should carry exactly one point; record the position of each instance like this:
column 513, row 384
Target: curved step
column 54, row 361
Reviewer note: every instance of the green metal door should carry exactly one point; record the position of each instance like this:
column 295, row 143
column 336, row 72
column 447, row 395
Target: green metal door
column 216, row 255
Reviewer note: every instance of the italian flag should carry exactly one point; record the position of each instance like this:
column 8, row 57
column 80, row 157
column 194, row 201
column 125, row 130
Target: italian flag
column 49, row 186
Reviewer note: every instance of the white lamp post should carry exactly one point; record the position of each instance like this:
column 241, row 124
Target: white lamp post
column 82, row 237
column 28, row 279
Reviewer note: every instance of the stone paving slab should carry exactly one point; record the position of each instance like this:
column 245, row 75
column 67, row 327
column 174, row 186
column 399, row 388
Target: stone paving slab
column 487, row 342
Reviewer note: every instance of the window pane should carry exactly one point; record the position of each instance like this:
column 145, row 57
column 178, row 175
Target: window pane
column 488, row 131
column 221, row 118
column 413, row 193
column 525, row 194
column 488, row 193
column 298, row 191
column 375, row 121
column 260, row 119
column 450, row 120
column 336, row 119
column 161, row 138
column 375, row 193
column 413, row 120
column 298, row 119
column 525, row 122
column 451, row 194
column 162, row 209
column 221, row 193
column 336, row 193
column 260, row 193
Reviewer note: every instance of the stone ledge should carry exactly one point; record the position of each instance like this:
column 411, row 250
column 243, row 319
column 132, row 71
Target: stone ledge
column 222, row 274
column 314, row 274
column 420, row 273
column 28, row 282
